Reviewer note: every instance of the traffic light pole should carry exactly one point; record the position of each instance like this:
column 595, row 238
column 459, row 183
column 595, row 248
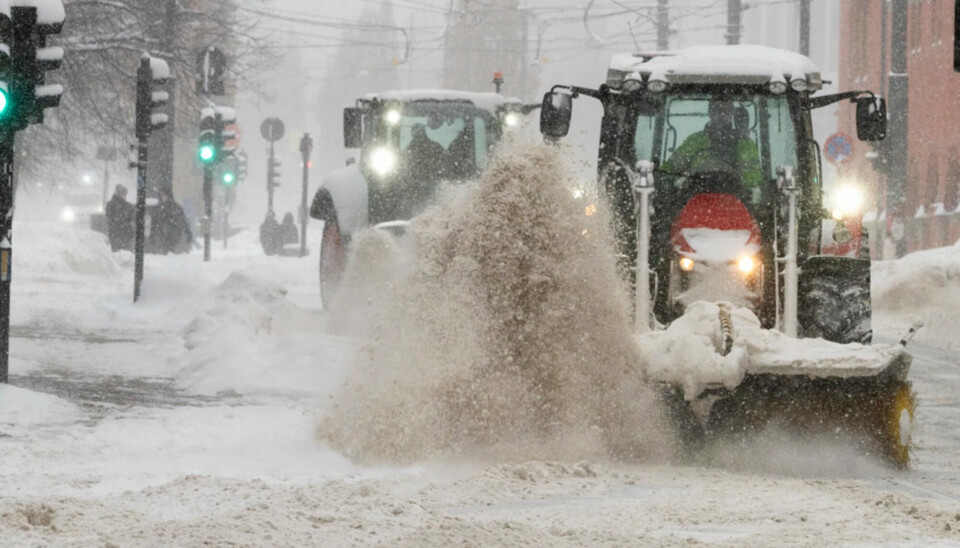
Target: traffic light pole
column 6, row 248
column 140, row 240
column 270, row 181
column 207, row 208
column 306, row 146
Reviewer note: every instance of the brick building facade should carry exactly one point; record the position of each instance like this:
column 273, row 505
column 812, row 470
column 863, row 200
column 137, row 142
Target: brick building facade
column 932, row 215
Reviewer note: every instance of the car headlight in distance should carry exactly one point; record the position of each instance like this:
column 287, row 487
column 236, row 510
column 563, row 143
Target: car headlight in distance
column 746, row 264
column 382, row 161
column 847, row 201
column 686, row 264
column 68, row 215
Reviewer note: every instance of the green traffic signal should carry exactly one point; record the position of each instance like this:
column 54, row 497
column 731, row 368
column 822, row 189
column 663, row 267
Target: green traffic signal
column 228, row 178
column 207, row 153
column 3, row 102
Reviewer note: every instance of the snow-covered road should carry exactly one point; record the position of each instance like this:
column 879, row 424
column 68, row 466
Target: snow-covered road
column 190, row 418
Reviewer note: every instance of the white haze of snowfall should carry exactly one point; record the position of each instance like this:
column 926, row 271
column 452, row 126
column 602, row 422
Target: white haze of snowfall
column 234, row 365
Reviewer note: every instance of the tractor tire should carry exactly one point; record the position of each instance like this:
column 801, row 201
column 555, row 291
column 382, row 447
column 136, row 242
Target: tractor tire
column 835, row 305
column 333, row 261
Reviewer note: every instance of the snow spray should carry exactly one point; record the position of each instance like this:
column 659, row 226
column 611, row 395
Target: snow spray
column 497, row 327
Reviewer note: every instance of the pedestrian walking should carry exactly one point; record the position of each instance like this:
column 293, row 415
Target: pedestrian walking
column 121, row 216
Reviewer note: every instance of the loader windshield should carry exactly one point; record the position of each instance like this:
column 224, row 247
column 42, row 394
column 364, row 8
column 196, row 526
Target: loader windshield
column 744, row 135
column 435, row 140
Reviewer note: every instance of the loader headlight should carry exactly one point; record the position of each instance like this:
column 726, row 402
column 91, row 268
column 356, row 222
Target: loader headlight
column 746, row 264
column 686, row 264
column 847, row 202
column 382, row 161
column 392, row 117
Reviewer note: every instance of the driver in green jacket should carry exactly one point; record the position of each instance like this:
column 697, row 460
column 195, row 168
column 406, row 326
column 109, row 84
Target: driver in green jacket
column 721, row 146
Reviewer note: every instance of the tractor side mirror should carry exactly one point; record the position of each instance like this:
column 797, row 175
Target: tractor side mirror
column 555, row 113
column 352, row 128
column 871, row 118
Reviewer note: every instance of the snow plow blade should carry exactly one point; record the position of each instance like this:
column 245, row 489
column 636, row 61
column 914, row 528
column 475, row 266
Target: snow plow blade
column 745, row 378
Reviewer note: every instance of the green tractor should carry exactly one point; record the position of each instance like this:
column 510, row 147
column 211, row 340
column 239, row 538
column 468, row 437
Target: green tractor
column 708, row 163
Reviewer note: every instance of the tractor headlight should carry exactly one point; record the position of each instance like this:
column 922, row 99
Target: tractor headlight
column 686, row 264
column 847, row 202
column 382, row 161
column 746, row 264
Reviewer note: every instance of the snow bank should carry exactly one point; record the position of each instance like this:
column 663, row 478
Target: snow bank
column 248, row 338
column 21, row 407
column 506, row 334
column 55, row 248
column 920, row 286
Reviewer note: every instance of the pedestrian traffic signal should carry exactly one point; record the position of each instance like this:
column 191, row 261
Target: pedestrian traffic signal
column 152, row 73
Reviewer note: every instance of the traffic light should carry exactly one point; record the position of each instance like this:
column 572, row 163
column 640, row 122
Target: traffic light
column 214, row 136
column 273, row 172
column 153, row 72
column 228, row 172
column 208, row 138
column 24, row 60
column 241, row 166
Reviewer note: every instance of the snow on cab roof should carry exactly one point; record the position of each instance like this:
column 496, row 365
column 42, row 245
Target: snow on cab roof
column 485, row 101
column 739, row 64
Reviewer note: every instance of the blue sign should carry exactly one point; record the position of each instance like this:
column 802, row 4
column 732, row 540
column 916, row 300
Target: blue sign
column 838, row 148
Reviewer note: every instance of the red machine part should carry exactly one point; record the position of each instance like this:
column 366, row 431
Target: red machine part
column 716, row 211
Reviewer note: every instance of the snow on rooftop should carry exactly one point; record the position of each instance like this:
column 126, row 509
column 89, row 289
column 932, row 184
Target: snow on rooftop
column 485, row 101
column 744, row 61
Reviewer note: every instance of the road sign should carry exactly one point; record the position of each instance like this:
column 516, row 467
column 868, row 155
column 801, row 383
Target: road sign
column 272, row 129
column 211, row 67
column 838, row 148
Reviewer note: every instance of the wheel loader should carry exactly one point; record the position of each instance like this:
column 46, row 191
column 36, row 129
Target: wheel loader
column 709, row 166
column 410, row 143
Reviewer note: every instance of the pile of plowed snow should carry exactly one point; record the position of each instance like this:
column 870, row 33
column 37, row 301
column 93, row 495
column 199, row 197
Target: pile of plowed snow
column 55, row 248
column 506, row 332
column 920, row 286
column 249, row 339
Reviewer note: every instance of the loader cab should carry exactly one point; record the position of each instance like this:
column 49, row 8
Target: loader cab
column 720, row 127
column 410, row 146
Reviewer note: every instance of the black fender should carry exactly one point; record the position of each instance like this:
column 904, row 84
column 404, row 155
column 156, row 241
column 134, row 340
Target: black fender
column 322, row 207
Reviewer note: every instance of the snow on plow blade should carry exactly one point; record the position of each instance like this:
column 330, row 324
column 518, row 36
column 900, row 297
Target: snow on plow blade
column 855, row 392
column 819, row 358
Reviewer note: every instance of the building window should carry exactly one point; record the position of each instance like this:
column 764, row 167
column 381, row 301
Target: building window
column 935, row 24
column 932, row 188
column 916, row 27
column 860, row 33
column 951, row 191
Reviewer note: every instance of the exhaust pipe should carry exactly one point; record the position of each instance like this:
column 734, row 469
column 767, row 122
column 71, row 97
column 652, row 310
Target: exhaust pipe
column 642, row 182
column 788, row 186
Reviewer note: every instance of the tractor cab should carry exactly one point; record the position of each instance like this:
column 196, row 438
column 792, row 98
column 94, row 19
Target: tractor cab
column 727, row 135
